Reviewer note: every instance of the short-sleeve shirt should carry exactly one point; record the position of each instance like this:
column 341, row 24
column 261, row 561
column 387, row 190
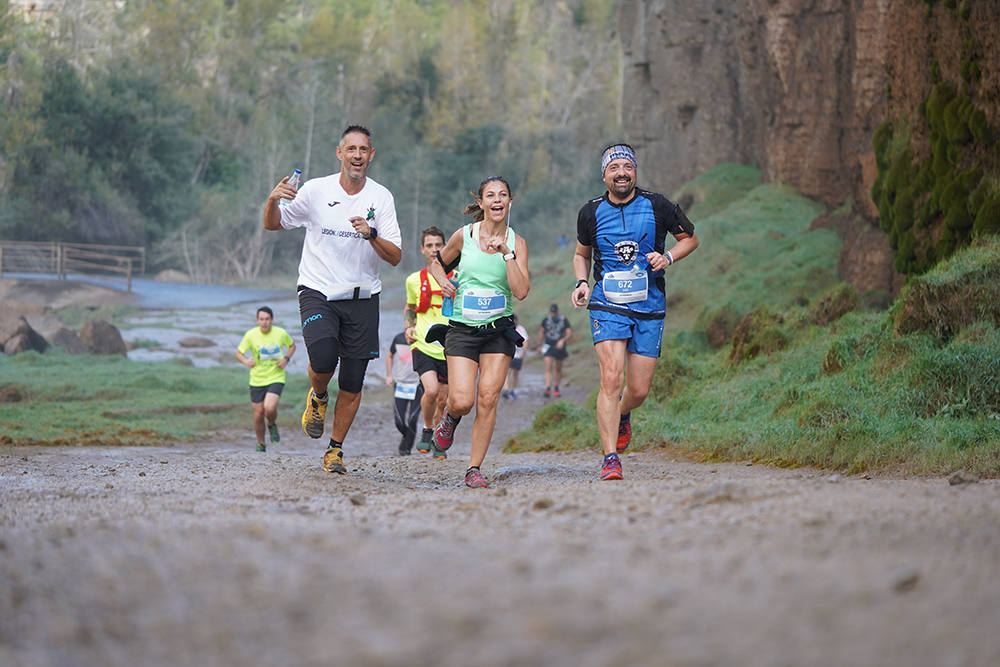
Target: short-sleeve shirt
column 428, row 318
column 621, row 235
column 336, row 260
column 267, row 349
column 555, row 328
column 402, row 361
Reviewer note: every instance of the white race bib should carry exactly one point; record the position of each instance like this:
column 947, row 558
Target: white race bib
column 407, row 392
column 626, row 286
column 481, row 304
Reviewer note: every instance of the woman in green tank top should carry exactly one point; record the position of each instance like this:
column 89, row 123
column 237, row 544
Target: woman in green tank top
column 492, row 266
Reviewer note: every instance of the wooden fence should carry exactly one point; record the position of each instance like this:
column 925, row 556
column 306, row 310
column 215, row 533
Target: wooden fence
column 65, row 258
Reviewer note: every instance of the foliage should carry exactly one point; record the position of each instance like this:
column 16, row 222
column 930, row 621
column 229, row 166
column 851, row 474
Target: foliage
column 168, row 123
column 938, row 182
column 962, row 290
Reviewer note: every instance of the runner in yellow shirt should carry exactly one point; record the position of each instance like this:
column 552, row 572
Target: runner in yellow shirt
column 422, row 311
column 266, row 351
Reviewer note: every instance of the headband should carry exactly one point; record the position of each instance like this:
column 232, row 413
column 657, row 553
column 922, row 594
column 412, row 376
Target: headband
column 617, row 152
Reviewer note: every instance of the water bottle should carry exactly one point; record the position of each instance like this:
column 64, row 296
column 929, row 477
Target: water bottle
column 295, row 180
column 448, row 302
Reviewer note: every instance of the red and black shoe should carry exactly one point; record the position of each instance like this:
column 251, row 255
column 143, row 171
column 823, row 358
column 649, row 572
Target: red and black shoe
column 475, row 480
column 445, row 433
column 624, row 433
column 611, row 468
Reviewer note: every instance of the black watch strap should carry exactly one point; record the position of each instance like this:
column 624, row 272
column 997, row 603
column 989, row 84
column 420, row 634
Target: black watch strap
column 372, row 234
column 580, row 282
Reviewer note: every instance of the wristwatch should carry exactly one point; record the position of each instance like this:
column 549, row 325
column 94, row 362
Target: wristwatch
column 509, row 256
column 372, row 234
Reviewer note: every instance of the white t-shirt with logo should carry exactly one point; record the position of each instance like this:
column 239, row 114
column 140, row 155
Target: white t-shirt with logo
column 336, row 259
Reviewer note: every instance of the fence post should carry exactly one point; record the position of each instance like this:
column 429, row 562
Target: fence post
column 128, row 273
column 60, row 262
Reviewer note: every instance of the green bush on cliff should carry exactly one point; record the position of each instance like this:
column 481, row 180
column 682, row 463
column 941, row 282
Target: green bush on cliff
column 931, row 207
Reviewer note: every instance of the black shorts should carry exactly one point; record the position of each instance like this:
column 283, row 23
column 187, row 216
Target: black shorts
column 470, row 342
column 257, row 393
column 557, row 353
column 515, row 364
column 424, row 362
column 353, row 323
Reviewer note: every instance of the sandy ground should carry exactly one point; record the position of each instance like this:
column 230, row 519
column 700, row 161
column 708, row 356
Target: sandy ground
column 211, row 554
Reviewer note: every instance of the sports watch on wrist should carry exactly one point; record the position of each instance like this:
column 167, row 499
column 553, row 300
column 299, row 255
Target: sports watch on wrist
column 509, row 256
column 372, row 234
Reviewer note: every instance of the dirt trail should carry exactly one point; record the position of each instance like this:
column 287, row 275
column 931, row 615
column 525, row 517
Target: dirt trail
column 212, row 554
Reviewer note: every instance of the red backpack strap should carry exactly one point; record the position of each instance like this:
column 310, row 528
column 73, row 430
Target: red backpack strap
column 425, row 292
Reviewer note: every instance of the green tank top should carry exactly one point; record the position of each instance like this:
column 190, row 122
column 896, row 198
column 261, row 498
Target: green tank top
column 483, row 291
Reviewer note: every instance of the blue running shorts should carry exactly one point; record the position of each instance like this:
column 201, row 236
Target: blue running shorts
column 644, row 336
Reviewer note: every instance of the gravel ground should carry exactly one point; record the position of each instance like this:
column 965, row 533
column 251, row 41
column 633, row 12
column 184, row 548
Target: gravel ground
column 209, row 553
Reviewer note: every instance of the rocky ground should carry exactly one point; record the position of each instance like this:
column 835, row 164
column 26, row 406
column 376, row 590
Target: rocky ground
column 209, row 553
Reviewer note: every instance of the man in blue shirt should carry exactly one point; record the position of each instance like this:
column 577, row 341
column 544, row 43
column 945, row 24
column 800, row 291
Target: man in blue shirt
column 622, row 235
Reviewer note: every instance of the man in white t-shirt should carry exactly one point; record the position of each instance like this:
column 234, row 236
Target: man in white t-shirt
column 350, row 223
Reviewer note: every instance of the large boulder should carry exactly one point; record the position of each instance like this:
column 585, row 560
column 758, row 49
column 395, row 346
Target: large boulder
column 22, row 338
column 68, row 340
column 196, row 341
column 101, row 337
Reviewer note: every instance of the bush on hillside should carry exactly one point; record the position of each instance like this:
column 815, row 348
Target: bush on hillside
column 961, row 291
column 760, row 332
column 833, row 305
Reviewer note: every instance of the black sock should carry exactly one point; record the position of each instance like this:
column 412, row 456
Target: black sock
column 334, row 443
column 471, row 468
column 608, row 456
column 319, row 397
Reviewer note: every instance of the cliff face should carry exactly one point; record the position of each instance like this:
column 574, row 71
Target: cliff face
column 797, row 88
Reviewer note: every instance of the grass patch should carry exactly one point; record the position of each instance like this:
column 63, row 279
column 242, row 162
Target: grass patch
column 62, row 399
column 815, row 378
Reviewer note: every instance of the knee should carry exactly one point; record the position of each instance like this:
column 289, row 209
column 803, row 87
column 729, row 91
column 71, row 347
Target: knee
column 323, row 356
column 460, row 405
column 639, row 394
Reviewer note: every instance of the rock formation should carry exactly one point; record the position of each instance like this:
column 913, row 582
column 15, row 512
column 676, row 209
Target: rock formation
column 795, row 87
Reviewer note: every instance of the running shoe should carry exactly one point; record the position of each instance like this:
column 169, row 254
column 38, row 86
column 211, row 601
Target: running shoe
column 438, row 453
column 333, row 460
column 403, row 449
column 424, row 445
column 445, row 433
column 624, row 433
column 556, row 393
column 261, row 447
column 612, row 468
column 548, row 392
column 475, row 480
column 314, row 416
column 273, row 430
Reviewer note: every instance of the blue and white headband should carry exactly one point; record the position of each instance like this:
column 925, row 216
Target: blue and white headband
column 617, row 152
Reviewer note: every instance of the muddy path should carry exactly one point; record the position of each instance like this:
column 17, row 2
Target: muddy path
column 209, row 553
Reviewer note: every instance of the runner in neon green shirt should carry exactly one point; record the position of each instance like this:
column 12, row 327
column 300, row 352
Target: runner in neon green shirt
column 423, row 310
column 266, row 351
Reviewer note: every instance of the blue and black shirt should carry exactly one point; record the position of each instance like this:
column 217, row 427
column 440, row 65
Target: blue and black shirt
column 621, row 235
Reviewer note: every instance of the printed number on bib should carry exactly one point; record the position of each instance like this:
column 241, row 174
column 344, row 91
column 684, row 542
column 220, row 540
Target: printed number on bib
column 626, row 286
column 407, row 392
column 483, row 304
